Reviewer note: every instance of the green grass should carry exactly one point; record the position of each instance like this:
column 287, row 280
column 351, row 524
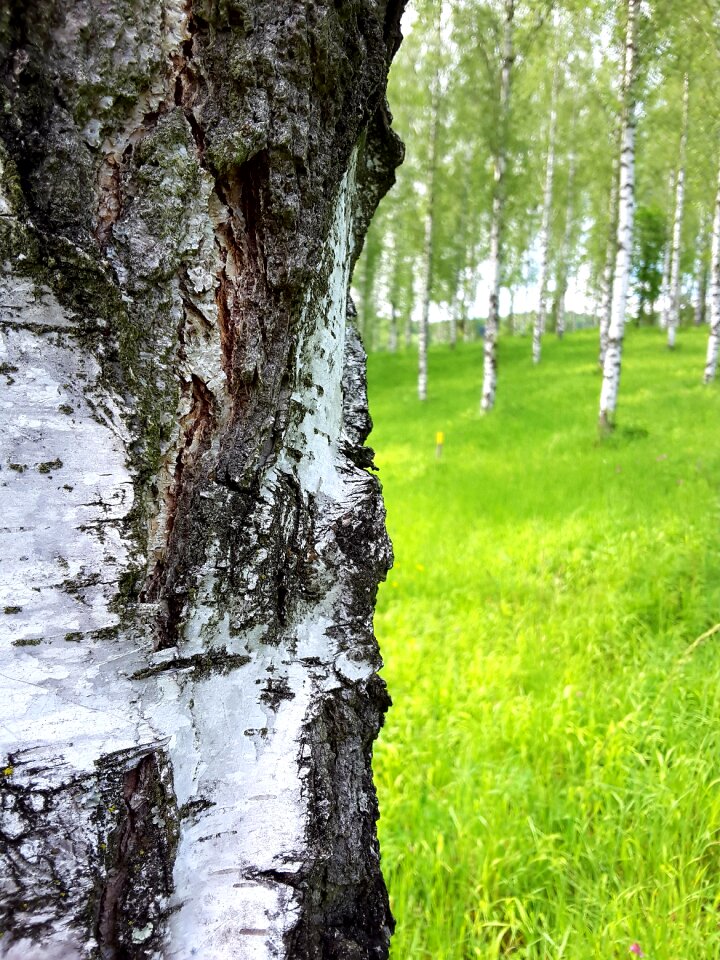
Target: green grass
column 549, row 774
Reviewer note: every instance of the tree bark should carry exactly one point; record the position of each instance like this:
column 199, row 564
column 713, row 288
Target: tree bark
column 701, row 301
column 428, row 251
column 667, row 263
column 393, row 328
column 703, row 270
column 541, row 315
column 492, row 327
column 562, row 281
column 626, row 211
column 191, row 542
column 673, row 317
column 606, row 292
column 714, row 337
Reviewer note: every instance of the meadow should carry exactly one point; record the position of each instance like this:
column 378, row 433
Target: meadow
column 549, row 774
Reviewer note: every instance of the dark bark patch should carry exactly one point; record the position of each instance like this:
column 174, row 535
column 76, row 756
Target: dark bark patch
column 138, row 821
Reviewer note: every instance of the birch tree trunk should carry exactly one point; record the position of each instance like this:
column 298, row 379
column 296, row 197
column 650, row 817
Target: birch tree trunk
column 606, row 292
column 408, row 331
column 541, row 315
column 492, row 327
column 191, row 541
column 567, row 235
column 674, row 300
column 714, row 337
column 667, row 261
column 626, row 211
column 454, row 310
column 428, row 253
column 393, row 330
column 703, row 242
column 701, row 301
column 665, row 287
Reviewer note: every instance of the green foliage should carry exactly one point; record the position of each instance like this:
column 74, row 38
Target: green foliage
column 585, row 39
column 650, row 240
column 548, row 775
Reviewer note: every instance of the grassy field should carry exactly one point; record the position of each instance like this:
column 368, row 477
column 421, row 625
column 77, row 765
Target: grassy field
column 549, row 775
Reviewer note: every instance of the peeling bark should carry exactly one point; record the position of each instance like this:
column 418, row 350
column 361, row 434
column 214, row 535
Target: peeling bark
column 192, row 541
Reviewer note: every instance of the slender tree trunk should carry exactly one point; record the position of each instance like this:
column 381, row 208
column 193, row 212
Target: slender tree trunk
column 428, row 252
column 642, row 301
column 626, row 211
column 567, row 236
column 408, row 330
column 702, row 271
column 701, row 302
column 393, row 329
column 541, row 315
column 667, row 260
column 498, row 207
column 606, row 290
column 454, row 307
column 674, row 310
column 714, row 338
column 192, row 541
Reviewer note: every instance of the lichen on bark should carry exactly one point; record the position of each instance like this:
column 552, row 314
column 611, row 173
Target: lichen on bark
column 191, row 675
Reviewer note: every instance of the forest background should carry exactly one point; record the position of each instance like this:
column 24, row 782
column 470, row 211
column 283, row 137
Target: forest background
column 548, row 776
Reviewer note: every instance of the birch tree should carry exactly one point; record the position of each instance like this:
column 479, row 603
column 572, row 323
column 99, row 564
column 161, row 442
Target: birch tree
column 547, row 207
column 667, row 265
column 428, row 259
column 616, row 329
column 191, row 541
column 714, row 337
column 608, row 277
column 562, row 274
column 492, row 328
column 673, row 316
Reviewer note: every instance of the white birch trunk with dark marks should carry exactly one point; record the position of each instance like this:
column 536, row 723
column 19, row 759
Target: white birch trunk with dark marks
column 667, row 263
column 492, row 327
column 191, row 539
column 562, row 281
column 714, row 337
column 673, row 314
column 428, row 251
column 626, row 212
column 541, row 315
column 606, row 291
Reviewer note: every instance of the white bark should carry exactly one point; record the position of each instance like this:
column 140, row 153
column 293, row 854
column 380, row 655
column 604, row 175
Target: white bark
column 714, row 337
column 492, row 327
column 606, row 292
column 665, row 283
column 191, row 540
column 428, row 251
column 567, row 235
column 424, row 327
column 541, row 315
column 673, row 316
column 626, row 211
